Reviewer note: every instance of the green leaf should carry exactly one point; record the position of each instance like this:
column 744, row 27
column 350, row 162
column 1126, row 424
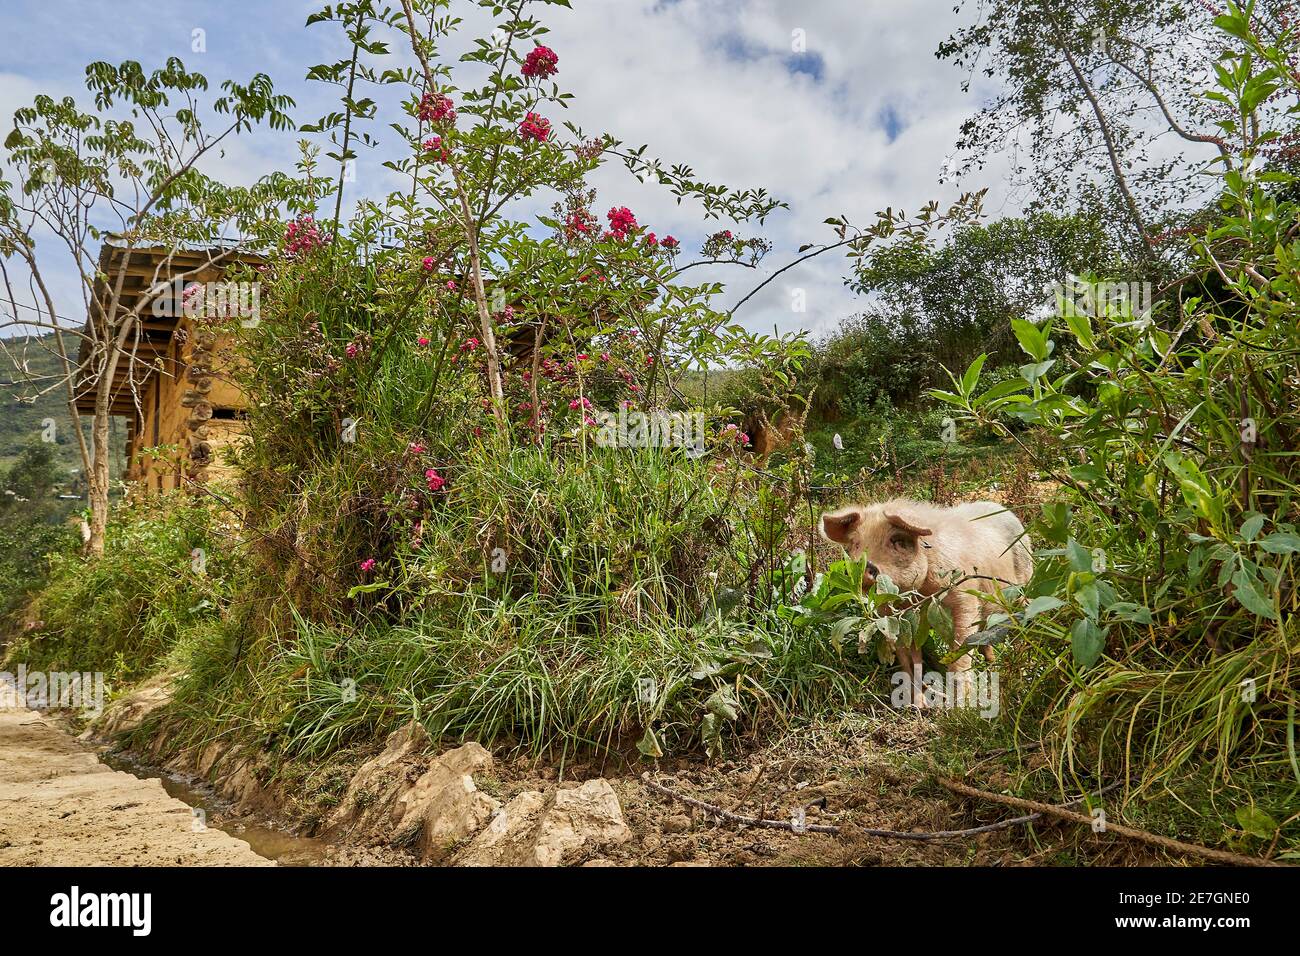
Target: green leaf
column 723, row 703
column 940, row 620
column 1031, row 338
column 649, row 744
column 1032, row 373
column 1040, row 605
column 1128, row 611
column 1249, row 598
column 1280, row 542
column 1089, row 598
column 969, row 380
column 1087, row 641
column 1256, row 822
column 1080, row 557
column 1251, row 527
column 367, row 588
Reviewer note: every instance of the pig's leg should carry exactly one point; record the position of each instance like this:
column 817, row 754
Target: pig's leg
column 965, row 617
column 909, row 660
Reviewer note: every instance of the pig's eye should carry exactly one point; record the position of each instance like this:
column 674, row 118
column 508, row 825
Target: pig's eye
column 901, row 541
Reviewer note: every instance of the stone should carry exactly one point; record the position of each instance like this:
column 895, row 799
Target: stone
column 537, row 829
column 445, row 804
column 678, row 823
column 375, row 788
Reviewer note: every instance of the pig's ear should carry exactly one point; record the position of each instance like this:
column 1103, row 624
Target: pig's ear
column 839, row 525
column 898, row 521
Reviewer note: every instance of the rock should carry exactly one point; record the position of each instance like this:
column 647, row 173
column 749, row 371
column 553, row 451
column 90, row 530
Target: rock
column 445, row 804
column 208, row 758
column 375, row 788
column 130, row 711
column 678, row 823
column 681, row 852
column 536, row 829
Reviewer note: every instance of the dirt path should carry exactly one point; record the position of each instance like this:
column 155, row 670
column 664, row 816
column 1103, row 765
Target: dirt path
column 60, row 806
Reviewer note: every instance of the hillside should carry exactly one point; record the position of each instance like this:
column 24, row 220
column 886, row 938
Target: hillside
column 22, row 418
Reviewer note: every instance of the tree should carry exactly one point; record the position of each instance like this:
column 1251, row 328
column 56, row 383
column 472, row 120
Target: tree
column 134, row 178
column 1100, row 89
column 31, row 480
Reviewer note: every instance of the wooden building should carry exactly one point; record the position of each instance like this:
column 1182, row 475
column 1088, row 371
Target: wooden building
column 173, row 383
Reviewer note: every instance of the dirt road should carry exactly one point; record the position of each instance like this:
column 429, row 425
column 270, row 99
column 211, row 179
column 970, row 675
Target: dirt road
column 60, row 806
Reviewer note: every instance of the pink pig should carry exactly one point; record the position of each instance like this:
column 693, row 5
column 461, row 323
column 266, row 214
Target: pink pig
column 924, row 547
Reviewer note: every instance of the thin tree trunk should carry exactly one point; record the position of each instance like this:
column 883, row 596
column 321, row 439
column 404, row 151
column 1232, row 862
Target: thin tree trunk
column 1111, row 150
column 469, row 226
column 347, row 133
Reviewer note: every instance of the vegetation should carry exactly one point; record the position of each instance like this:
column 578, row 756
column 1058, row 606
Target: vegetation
column 442, row 517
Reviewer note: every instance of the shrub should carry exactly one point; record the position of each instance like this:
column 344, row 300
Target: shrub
column 167, row 567
column 1164, row 608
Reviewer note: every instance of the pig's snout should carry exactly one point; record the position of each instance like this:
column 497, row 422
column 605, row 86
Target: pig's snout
column 869, row 578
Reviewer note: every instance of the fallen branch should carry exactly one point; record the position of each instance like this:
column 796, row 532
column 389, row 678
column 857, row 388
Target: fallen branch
column 717, row 811
column 1141, row 836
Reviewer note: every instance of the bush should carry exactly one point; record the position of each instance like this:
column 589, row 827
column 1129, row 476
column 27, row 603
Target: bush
column 168, row 567
column 1164, row 608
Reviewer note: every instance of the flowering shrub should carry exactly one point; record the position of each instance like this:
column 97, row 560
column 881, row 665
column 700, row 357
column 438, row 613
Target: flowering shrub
column 303, row 236
column 535, row 128
column 409, row 368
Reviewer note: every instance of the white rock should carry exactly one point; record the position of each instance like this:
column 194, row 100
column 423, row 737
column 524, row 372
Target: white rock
column 535, row 829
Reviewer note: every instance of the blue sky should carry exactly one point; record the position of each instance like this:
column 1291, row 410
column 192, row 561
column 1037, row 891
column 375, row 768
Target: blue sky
column 836, row 106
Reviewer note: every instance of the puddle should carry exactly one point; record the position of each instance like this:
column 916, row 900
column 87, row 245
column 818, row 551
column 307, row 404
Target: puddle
column 283, row 847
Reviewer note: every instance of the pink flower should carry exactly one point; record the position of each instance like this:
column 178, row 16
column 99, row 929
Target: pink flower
column 621, row 222
column 434, row 145
column 415, row 448
column 301, row 235
column 577, row 222
column 435, row 480
column 541, row 63
column 423, row 341
column 427, row 263
column 580, row 403
column 352, row 350
column 367, row 565
column 469, row 344
column 670, row 243
column 604, row 356
column 451, row 285
column 651, row 240
column 436, row 108
column 535, row 127
column 582, row 356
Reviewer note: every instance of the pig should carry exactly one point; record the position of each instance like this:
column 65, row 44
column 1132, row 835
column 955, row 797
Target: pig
column 924, row 548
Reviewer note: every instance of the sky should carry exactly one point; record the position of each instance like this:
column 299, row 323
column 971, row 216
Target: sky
column 837, row 107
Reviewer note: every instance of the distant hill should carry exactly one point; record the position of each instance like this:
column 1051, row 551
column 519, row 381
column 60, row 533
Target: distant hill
column 22, row 421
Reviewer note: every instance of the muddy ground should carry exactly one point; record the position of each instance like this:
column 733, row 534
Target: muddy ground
column 61, row 806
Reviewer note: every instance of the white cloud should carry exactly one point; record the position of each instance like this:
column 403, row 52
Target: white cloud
column 701, row 82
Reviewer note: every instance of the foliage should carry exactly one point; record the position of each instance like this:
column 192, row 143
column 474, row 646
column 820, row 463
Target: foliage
column 1164, row 609
column 167, row 569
